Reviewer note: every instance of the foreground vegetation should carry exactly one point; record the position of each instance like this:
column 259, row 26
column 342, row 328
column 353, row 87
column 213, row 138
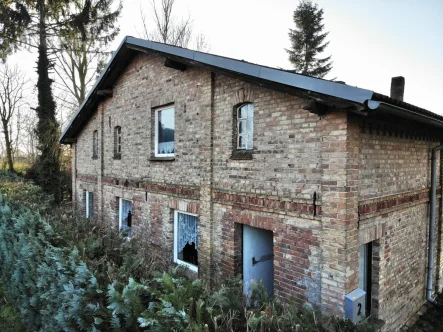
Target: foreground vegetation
column 61, row 272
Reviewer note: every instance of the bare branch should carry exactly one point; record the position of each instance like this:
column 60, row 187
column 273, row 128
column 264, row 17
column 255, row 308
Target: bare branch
column 166, row 29
column 13, row 83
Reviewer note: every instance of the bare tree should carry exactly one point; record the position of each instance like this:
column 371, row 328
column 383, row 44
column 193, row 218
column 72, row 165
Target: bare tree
column 76, row 67
column 28, row 141
column 81, row 54
column 201, row 43
column 168, row 30
column 12, row 85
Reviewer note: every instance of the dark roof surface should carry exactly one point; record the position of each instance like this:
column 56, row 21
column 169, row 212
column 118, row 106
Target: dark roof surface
column 266, row 76
column 383, row 98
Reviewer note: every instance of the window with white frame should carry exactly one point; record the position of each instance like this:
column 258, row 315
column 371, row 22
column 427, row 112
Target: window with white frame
column 89, row 202
column 186, row 239
column 245, row 126
column 164, row 131
column 125, row 216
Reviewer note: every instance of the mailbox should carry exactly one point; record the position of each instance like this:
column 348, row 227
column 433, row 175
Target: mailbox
column 355, row 305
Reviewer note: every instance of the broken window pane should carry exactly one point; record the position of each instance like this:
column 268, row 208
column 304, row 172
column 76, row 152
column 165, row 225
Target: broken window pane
column 125, row 215
column 187, row 238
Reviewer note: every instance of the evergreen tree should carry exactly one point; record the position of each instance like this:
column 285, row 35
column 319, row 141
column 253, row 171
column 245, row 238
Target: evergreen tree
column 308, row 40
column 30, row 23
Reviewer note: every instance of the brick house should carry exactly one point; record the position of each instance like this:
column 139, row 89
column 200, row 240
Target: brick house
column 227, row 167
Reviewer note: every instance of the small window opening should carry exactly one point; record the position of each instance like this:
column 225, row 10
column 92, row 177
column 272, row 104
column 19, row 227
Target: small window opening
column 89, row 204
column 186, row 240
column 125, row 217
column 117, row 142
column 95, row 144
column 245, row 127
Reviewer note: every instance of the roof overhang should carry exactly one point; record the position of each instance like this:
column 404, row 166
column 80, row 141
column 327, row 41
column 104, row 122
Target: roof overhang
column 331, row 93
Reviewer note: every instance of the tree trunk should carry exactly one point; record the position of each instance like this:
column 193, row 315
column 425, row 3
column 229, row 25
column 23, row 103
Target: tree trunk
column 48, row 163
column 8, row 146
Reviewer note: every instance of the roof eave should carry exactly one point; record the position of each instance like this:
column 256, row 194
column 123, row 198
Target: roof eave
column 281, row 80
column 405, row 113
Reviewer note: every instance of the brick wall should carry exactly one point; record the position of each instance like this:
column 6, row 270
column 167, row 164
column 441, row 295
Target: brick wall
column 391, row 165
column 296, row 250
column 277, row 185
column 340, row 165
column 146, row 85
column 393, row 213
column 322, row 185
column 286, row 156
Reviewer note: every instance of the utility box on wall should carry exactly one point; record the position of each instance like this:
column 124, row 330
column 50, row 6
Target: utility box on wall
column 355, row 305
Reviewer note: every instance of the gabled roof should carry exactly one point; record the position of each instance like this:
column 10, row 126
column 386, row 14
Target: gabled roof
column 334, row 94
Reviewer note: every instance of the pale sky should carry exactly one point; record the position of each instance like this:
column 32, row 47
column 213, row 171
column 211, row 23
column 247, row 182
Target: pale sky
column 370, row 40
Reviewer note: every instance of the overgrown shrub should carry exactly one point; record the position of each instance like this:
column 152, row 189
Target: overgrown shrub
column 61, row 272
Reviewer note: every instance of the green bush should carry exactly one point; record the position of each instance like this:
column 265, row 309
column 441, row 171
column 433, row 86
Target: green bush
column 61, row 272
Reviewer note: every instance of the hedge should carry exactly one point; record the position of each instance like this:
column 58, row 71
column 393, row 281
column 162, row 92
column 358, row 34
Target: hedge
column 62, row 272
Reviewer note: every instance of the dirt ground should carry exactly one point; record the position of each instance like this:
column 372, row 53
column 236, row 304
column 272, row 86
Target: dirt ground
column 431, row 320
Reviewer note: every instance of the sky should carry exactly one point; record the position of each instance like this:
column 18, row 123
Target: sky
column 371, row 41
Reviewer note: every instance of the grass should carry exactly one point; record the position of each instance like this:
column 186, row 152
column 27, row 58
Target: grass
column 20, row 168
column 9, row 318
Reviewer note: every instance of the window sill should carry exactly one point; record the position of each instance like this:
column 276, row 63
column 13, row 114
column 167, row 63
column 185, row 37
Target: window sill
column 162, row 158
column 188, row 266
column 117, row 157
column 241, row 155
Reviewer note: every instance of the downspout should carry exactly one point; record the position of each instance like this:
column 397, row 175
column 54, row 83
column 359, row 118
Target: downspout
column 433, row 204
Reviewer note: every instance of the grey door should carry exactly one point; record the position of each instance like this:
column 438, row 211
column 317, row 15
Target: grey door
column 258, row 261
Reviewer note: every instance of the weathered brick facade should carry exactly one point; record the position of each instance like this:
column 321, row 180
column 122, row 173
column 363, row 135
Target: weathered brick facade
column 324, row 185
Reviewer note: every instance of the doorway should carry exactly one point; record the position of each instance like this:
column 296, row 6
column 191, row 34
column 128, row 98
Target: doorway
column 365, row 274
column 258, row 258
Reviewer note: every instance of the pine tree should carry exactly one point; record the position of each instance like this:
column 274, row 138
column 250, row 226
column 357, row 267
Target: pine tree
column 308, row 40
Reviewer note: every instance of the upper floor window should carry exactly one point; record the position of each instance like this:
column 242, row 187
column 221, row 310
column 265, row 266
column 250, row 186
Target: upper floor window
column 164, row 132
column 117, row 142
column 95, row 144
column 245, row 126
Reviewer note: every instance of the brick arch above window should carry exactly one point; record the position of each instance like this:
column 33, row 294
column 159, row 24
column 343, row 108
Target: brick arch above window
column 243, row 96
column 117, row 142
